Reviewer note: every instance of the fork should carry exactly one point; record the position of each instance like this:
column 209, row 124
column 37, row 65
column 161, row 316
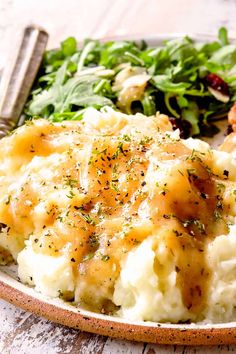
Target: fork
column 19, row 76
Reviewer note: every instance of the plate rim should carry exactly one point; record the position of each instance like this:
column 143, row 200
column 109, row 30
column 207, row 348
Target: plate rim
column 26, row 298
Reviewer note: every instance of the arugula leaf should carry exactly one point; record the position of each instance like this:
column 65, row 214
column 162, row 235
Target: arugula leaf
column 76, row 91
column 223, row 36
column 164, row 83
column 115, row 53
column 191, row 115
column 148, row 103
column 69, row 46
column 182, row 102
column 224, row 58
column 72, row 79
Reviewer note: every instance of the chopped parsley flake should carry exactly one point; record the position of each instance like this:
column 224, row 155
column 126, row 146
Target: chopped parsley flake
column 71, row 194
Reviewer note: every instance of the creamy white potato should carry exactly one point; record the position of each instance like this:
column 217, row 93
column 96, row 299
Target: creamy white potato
column 120, row 215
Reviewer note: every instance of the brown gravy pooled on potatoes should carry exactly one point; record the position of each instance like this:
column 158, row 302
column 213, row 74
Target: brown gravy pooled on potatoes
column 190, row 208
column 102, row 193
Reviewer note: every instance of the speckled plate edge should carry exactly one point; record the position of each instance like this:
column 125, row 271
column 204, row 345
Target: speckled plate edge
column 14, row 292
column 63, row 313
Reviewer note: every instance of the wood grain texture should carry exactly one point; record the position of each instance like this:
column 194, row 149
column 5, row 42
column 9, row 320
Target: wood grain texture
column 22, row 332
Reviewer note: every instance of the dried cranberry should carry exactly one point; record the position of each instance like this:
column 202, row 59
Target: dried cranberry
column 183, row 126
column 217, row 84
column 229, row 130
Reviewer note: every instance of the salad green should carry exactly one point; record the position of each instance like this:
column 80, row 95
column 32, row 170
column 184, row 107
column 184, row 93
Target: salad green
column 193, row 82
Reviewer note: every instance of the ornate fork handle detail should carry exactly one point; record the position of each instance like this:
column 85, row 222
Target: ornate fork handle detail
column 19, row 76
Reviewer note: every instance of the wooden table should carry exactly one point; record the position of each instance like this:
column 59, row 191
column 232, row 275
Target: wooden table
column 22, row 332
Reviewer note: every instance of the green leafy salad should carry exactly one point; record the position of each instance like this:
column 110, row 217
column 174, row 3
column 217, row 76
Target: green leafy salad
column 193, row 83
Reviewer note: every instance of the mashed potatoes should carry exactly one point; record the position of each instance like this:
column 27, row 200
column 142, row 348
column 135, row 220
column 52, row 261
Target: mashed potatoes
column 121, row 216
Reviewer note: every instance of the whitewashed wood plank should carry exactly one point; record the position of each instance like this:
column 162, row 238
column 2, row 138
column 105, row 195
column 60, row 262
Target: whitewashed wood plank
column 22, row 332
column 175, row 349
column 114, row 346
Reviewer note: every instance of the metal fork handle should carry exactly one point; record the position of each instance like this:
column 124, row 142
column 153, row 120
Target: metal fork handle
column 18, row 77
